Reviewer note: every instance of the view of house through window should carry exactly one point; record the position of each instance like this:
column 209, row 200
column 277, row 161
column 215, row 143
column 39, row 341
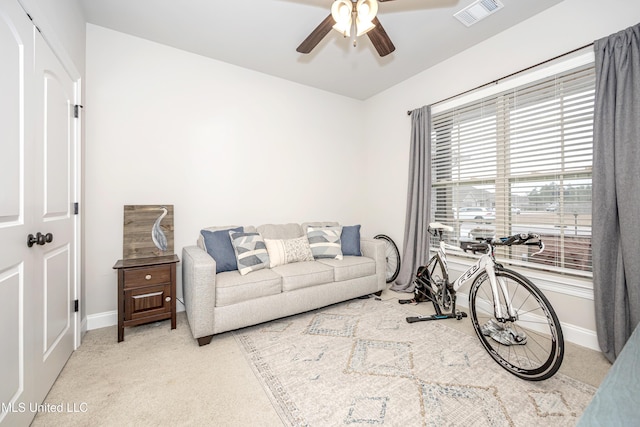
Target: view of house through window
column 520, row 161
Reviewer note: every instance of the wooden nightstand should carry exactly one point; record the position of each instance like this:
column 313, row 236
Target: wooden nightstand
column 146, row 291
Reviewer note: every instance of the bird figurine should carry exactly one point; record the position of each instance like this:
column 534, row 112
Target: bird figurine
column 157, row 235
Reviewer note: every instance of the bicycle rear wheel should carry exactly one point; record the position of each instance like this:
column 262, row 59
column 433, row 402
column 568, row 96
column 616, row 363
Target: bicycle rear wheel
column 438, row 279
column 531, row 347
column 392, row 256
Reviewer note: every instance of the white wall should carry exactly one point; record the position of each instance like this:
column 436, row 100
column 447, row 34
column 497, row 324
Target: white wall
column 562, row 28
column 223, row 144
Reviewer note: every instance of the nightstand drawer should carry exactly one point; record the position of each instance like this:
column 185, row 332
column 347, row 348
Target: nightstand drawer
column 147, row 276
column 147, row 301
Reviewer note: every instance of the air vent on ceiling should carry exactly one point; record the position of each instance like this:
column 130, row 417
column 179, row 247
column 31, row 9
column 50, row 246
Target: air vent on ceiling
column 478, row 10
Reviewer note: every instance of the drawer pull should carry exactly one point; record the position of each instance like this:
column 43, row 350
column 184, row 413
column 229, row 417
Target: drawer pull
column 152, row 294
column 148, row 277
column 167, row 299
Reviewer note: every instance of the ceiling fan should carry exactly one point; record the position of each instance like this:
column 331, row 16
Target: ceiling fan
column 352, row 18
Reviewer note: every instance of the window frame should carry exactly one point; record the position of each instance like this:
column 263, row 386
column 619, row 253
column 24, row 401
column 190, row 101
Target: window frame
column 579, row 281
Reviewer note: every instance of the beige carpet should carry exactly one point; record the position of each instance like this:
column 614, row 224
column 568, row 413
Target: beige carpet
column 161, row 377
column 360, row 363
column 158, row 377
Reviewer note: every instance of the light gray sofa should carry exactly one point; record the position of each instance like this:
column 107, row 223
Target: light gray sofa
column 225, row 301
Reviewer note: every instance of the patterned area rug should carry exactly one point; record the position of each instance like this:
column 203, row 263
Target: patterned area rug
column 361, row 363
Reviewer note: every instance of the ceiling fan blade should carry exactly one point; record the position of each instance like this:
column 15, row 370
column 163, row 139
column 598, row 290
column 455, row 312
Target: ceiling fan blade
column 380, row 39
column 316, row 35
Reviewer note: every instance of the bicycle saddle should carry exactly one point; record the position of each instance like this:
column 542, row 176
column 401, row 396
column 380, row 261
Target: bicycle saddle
column 438, row 226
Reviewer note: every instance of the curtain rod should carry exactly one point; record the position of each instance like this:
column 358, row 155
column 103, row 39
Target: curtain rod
column 511, row 75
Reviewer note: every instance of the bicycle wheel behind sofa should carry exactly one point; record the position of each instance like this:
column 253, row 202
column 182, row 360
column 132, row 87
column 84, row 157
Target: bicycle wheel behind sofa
column 392, row 256
column 532, row 346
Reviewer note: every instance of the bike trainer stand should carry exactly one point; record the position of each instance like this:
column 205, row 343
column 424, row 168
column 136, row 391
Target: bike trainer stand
column 454, row 314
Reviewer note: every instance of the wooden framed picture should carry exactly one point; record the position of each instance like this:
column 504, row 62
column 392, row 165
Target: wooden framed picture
column 148, row 231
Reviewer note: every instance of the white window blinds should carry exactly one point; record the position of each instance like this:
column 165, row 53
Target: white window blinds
column 520, row 161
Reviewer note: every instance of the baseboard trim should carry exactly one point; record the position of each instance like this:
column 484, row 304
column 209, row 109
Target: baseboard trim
column 102, row 320
column 110, row 318
column 581, row 336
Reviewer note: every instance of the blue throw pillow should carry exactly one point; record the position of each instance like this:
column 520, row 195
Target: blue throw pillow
column 218, row 245
column 350, row 240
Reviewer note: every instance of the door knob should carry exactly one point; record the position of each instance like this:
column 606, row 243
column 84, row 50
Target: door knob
column 39, row 239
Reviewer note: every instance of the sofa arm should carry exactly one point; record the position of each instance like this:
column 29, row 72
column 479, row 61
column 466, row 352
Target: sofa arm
column 375, row 249
column 199, row 289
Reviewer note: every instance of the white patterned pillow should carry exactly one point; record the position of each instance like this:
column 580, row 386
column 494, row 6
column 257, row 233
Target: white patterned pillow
column 325, row 241
column 251, row 252
column 285, row 251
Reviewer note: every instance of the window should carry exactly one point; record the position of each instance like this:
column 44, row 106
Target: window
column 520, row 161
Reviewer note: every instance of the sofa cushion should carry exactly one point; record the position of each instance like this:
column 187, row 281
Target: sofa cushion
column 350, row 267
column 318, row 224
column 232, row 287
column 250, row 250
column 304, row 274
column 325, row 241
column 218, row 245
column 350, row 240
column 280, row 231
column 285, row 251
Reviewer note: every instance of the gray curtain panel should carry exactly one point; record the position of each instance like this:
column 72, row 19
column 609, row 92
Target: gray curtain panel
column 415, row 250
column 616, row 189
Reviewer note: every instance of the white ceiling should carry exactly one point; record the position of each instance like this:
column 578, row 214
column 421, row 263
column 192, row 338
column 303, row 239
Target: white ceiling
column 262, row 35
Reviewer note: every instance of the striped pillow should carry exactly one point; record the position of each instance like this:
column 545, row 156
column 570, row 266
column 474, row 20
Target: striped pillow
column 325, row 241
column 251, row 252
column 285, row 251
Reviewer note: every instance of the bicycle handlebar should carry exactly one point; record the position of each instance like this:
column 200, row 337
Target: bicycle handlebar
column 529, row 239
column 518, row 239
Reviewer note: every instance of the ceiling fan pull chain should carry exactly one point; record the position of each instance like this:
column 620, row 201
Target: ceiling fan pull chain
column 354, row 28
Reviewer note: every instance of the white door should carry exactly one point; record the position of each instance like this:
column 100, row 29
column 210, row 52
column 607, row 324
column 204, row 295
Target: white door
column 54, row 190
column 16, row 175
column 37, row 182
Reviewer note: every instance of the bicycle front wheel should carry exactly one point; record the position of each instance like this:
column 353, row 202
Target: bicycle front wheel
column 530, row 347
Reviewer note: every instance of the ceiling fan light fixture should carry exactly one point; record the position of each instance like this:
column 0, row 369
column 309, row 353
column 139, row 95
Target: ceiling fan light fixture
column 366, row 12
column 341, row 13
column 367, row 9
column 352, row 18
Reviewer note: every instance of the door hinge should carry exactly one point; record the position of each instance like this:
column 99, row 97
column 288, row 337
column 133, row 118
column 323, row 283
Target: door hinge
column 76, row 110
column 76, row 306
column 76, row 208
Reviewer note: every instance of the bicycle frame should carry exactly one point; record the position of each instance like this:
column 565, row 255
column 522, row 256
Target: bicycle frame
column 486, row 263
